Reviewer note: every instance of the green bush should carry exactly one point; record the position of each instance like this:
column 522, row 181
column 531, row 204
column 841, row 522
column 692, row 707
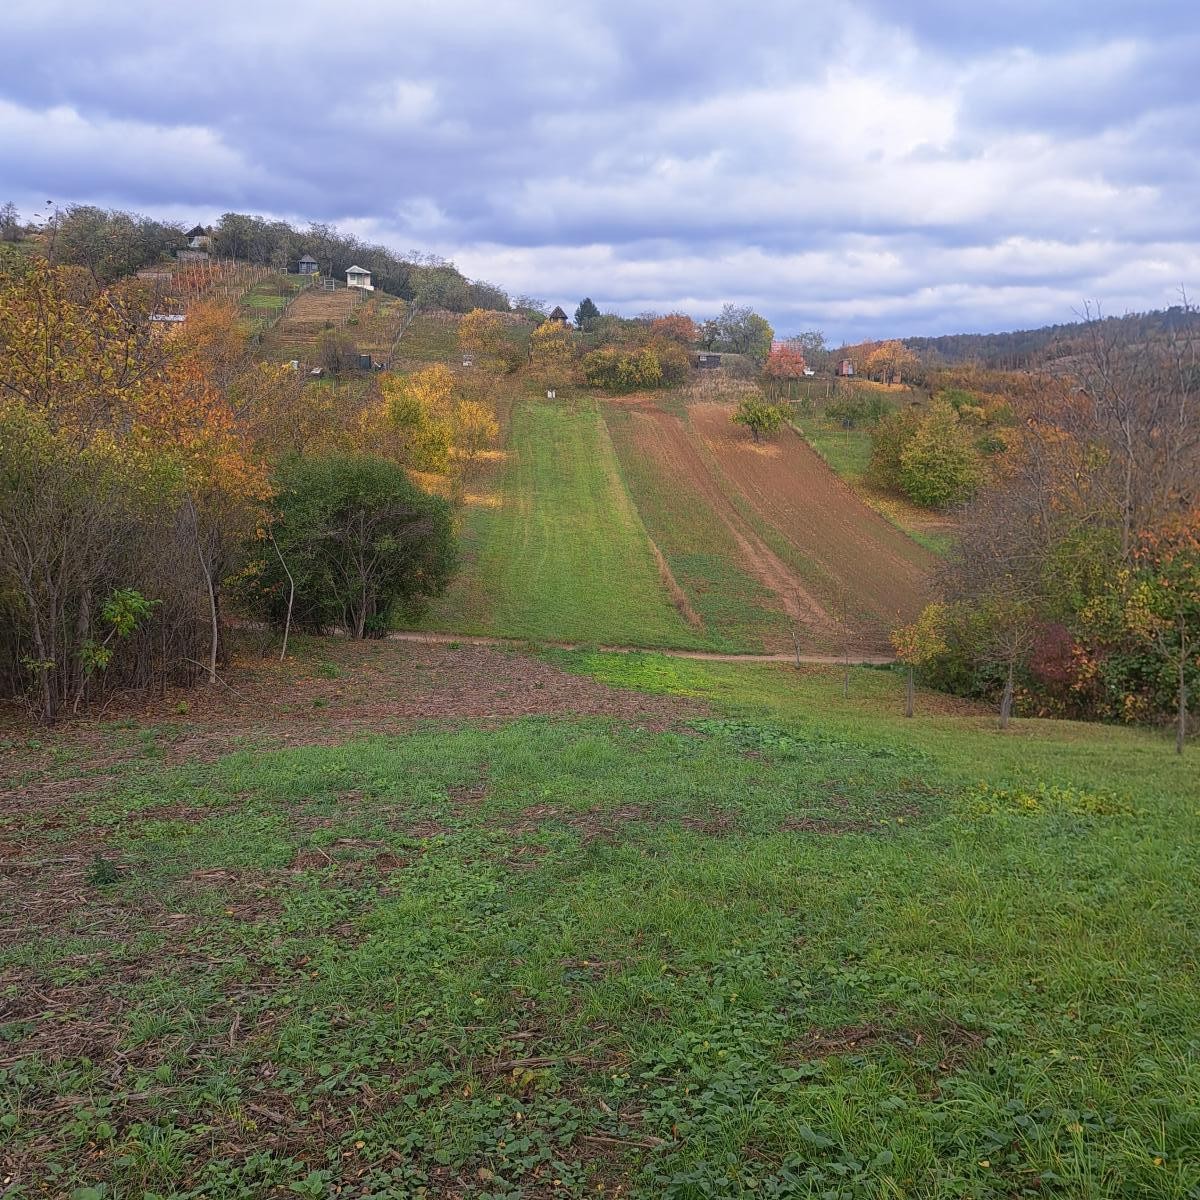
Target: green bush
column 928, row 455
column 359, row 540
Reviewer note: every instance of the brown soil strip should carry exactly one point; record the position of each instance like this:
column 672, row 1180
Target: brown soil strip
column 884, row 575
column 664, row 438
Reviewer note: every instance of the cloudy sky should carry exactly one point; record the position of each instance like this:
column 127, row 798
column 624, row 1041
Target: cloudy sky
column 867, row 167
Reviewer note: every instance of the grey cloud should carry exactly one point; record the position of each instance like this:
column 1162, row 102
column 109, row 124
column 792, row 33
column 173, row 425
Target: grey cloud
column 686, row 151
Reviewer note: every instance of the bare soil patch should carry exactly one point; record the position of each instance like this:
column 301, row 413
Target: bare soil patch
column 883, row 574
column 663, row 437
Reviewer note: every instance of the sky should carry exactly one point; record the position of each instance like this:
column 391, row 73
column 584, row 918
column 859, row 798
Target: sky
column 870, row 168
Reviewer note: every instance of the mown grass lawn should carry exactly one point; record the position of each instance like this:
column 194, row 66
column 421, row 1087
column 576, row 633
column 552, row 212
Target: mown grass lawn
column 562, row 555
column 795, row 947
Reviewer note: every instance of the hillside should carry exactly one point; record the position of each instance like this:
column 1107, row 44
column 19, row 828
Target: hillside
column 652, row 520
column 1029, row 348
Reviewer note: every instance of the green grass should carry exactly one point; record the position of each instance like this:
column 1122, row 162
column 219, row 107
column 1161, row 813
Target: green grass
column 564, row 557
column 847, row 451
column 429, row 339
column 737, row 612
column 791, row 949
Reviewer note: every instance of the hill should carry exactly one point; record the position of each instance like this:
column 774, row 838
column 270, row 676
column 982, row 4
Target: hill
column 1030, row 348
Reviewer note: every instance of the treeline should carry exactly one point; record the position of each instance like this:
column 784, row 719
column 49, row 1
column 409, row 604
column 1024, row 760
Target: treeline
column 1075, row 586
column 110, row 244
column 149, row 479
column 1029, row 348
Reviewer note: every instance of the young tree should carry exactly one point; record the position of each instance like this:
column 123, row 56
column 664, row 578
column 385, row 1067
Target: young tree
column 10, row 223
column 1163, row 607
column 552, row 354
column 758, row 416
column 919, row 644
column 785, row 364
column 475, row 429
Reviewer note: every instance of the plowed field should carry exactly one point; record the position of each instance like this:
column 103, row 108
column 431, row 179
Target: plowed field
column 850, row 558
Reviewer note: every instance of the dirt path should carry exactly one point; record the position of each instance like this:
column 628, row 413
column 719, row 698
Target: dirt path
column 883, row 574
column 856, row 658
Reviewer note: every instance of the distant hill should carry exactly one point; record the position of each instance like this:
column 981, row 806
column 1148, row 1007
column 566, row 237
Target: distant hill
column 1027, row 348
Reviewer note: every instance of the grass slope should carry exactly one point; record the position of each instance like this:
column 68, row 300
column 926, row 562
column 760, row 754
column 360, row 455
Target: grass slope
column 790, row 949
column 562, row 555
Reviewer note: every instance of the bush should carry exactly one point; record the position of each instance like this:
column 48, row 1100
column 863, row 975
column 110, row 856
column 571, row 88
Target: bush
column 623, row 370
column 759, row 416
column 940, row 465
column 926, row 454
column 361, row 543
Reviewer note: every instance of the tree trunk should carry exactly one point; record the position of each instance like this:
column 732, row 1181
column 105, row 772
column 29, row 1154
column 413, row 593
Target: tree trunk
column 1006, row 700
column 287, row 625
column 909, row 698
column 1181, row 725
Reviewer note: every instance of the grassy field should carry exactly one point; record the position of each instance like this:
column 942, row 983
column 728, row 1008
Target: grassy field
column 770, row 942
column 559, row 552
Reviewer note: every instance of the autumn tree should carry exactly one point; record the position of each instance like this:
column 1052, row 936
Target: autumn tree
column 785, row 364
column 919, row 644
column 675, row 327
column 482, row 333
column 1162, row 608
column 890, row 361
column 552, row 354
column 939, row 465
column 475, row 429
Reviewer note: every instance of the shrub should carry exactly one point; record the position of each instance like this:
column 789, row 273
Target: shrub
column 358, row 539
column 940, row 466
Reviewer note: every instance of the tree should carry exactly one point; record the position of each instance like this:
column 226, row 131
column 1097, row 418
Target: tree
column 586, row 313
column 412, row 425
column 1163, row 607
column 919, row 644
column 360, row 541
column 811, row 344
column 337, row 351
column 940, row 465
column 785, row 364
column 552, row 354
column 475, row 429
column 759, row 416
column 743, row 331
column 10, row 223
column 890, row 360
column 675, row 327
column 482, row 333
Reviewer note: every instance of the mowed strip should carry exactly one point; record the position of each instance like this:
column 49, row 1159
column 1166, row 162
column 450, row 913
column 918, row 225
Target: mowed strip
column 563, row 556
column 880, row 575
column 746, row 594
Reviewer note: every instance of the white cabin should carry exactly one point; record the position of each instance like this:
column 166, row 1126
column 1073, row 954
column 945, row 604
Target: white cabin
column 359, row 277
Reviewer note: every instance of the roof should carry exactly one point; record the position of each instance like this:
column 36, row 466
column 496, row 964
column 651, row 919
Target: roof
column 309, row 258
column 357, row 271
column 558, row 314
column 199, row 231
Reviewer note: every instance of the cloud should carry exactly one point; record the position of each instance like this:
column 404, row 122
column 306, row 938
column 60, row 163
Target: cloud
column 870, row 167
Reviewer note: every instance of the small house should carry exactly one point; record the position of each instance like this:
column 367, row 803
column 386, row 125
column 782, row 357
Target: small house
column 558, row 315
column 198, row 238
column 308, row 265
column 706, row 360
column 359, row 277
column 845, row 368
